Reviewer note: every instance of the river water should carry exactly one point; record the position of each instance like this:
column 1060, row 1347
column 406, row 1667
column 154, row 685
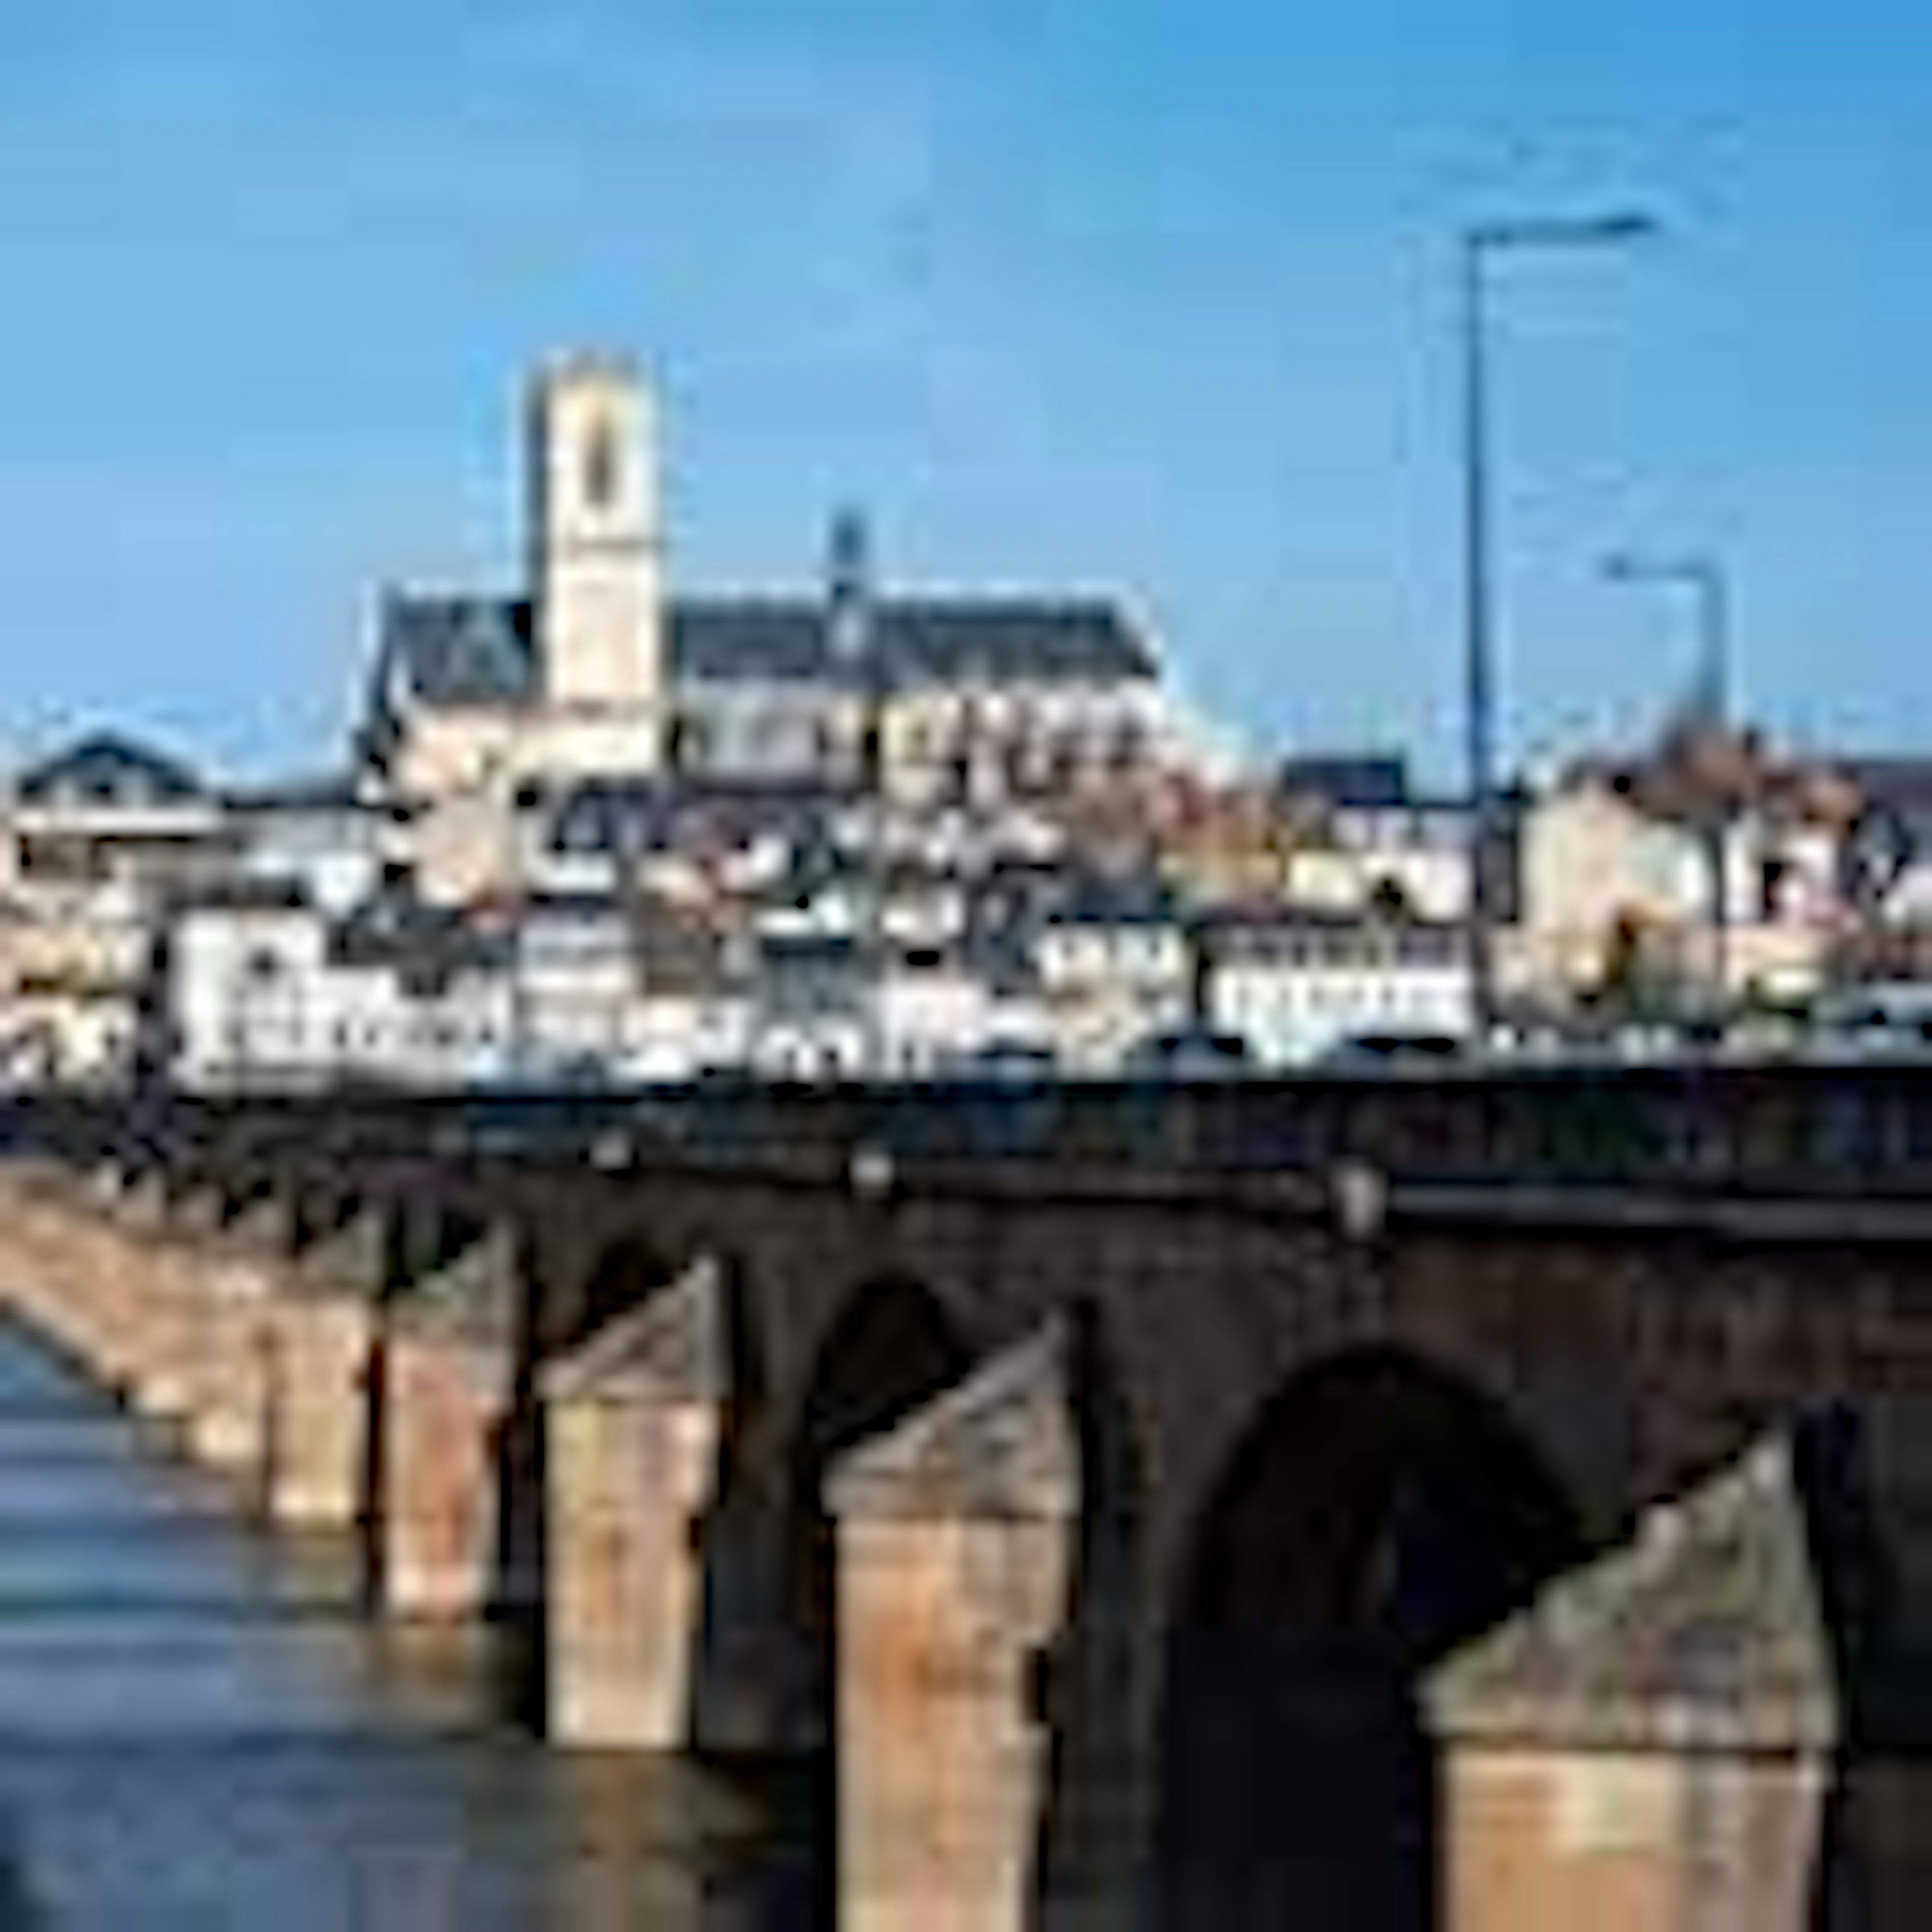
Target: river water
column 198, row 1732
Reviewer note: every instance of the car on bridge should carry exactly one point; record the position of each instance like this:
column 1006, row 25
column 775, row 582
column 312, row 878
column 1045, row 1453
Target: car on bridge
column 1189, row 1053
column 1009, row 1063
column 1372, row 1052
column 1881, row 1020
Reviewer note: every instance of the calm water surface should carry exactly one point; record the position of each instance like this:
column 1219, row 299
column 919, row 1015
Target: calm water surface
column 197, row 1731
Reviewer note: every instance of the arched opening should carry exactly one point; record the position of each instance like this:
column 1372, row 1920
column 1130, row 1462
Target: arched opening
column 893, row 1349
column 1376, row 1515
column 1093, row 1724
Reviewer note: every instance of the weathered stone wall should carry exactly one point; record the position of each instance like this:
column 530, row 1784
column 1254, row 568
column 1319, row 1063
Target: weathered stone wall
column 1603, row 1841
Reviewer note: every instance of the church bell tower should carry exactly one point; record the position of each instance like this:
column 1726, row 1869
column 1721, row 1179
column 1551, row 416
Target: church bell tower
column 598, row 571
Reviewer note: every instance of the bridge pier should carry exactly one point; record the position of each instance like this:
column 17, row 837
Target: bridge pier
column 160, row 1368
column 635, row 1421
column 80, row 1257
column 1653, row 1744
column 449, row 1370
column 954, row 1548
column 324, row 1325
column 228, row 1273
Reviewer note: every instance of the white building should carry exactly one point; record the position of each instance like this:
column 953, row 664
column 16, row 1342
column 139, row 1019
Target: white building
column 1114, row 966
column 1296, row 987
column 575, row 966
column 336, row 847
column 1614, row 852
column 1367, row 839
column 95, row 841
column 264, row 990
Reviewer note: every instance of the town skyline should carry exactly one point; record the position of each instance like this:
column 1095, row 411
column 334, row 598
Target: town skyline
column 1171, row 323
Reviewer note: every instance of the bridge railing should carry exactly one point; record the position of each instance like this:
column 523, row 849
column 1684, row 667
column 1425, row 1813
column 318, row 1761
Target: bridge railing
column 1859, row 1130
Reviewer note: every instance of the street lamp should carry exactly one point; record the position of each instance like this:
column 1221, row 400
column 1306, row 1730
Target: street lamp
column 852, row 628
column 1705, row 587
column 1477, row 247
column 1703, row 583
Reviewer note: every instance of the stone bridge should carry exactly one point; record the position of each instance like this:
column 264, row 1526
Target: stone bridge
column 1472, row 1502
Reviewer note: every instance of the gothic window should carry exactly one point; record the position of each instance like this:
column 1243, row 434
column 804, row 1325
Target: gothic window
column 600, row 467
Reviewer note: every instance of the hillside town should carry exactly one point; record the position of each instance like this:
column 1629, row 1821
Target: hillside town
column 593, row 829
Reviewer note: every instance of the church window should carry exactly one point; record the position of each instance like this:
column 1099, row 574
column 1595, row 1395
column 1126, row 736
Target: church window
column 600, row 467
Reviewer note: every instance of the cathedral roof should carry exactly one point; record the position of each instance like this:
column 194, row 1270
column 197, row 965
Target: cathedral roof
column 445, row 651
column 921, row 641
column 450, row 652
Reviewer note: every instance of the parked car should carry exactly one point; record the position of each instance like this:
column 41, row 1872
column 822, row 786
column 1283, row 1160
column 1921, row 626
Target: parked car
column 1013, row 1063
column 1192, row 1053
column 1878, row 1019
column 1391, row 1049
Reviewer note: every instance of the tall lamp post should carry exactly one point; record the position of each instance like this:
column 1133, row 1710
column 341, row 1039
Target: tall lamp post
column 1479, row 249
column 852, row 631
column 1704, row 585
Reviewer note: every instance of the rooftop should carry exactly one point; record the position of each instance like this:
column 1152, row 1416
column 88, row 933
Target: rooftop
column 108, row 768
column 452, row 651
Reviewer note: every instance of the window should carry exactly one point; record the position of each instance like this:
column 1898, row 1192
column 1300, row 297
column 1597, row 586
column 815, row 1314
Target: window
column 600, row 467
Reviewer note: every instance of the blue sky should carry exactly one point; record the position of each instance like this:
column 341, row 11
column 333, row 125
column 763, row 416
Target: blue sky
column 1099, row 293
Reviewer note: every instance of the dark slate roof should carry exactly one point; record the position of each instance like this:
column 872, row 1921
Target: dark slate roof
column 1377, row 781
column 1002, row 958
column 322, row 792
column 1900, row 788
column 1089, row 898
column 807, row 975
column 425, row 943
column 453, row 651
column 636, row 816
column 1899, row 779
column 111, row 768
column 922, row 641
column 241, row 893
column 610, row 818
column 1260, row 931
column 448, row 652
column 568, row 908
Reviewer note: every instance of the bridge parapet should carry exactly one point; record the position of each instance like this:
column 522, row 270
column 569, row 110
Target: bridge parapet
column 1804, row 1127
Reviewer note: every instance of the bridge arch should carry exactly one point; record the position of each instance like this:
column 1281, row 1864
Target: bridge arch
column 1377, row 1512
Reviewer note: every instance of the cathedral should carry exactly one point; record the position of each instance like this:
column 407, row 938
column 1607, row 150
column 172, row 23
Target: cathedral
column 591, row 670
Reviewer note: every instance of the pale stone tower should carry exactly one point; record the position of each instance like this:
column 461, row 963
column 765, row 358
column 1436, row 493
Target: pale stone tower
column 598, row 573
